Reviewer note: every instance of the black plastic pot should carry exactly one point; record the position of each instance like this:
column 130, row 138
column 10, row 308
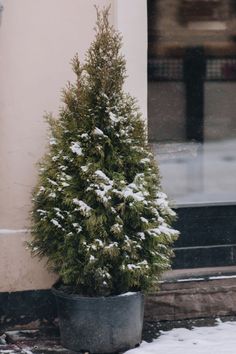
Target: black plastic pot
column 100, row 324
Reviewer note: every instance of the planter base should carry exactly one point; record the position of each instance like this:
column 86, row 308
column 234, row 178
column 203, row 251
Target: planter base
column 100, row 324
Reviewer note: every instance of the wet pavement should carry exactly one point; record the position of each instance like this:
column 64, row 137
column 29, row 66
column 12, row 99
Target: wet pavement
column 46, row 340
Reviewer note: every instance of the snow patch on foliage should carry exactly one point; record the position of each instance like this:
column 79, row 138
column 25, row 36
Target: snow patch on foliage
column 139, row 265
column 41, row 211
column 101, row 189
column 92, row 258
column 84, row 168
column 76, row 148
column 130, row 192
column 144, row 220
column 116, row 228
column 103, row 273
column 145, row 160
column 167, row 230
column 55, row 158
column 63, row 168
column 102, row 175
column 52, row 141
column 52, row 195
column 52, row 182
column 154, row 232
column 56, row 223
column 83, row 207
column 162, row 202
column 42, row 189
column 99, row 242
column 111, row 245
column 77, row 227
column 141, row 235
column 85, row 136
column 114, row 119
column 98, row 132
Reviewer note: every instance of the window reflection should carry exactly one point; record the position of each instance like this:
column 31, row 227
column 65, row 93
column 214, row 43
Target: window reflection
column 192, row 98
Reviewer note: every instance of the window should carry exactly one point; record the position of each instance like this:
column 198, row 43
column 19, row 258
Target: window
column 192, row 98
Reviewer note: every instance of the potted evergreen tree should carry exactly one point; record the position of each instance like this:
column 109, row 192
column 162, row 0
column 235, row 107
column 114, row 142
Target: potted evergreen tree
column 99, row 214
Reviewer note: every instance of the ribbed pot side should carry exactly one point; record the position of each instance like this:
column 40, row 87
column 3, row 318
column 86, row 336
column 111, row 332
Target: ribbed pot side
column 100, row 324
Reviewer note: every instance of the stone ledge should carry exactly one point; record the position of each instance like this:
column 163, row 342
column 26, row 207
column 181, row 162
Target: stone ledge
column 184, row 294
column 192, row 299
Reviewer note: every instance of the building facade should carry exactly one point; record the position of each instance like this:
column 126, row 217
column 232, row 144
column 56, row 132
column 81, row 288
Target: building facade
column 188, row 49
column 37, row 41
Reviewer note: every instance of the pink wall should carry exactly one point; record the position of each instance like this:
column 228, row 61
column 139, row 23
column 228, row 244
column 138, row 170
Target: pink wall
column 37, row 41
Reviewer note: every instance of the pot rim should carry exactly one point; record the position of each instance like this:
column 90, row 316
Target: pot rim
column 64, row 295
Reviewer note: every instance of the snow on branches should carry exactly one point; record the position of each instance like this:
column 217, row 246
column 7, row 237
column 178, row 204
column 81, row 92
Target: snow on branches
column 99, row 213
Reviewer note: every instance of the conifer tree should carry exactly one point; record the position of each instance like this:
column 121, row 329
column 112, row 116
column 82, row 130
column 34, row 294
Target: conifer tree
column 99, row 214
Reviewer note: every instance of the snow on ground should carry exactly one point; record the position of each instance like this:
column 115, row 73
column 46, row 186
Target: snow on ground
column 220, row 339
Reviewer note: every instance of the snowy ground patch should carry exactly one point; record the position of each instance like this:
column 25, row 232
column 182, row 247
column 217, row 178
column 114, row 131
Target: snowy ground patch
column 219, row 339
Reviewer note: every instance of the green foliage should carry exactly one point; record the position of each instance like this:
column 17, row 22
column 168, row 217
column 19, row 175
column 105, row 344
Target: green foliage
column 99, row 214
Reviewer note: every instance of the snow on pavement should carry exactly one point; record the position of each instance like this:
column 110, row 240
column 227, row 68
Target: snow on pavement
column 219, row 339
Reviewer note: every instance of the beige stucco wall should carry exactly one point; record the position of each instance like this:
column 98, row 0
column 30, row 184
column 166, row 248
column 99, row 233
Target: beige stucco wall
column 37, row 41
column 130, row 18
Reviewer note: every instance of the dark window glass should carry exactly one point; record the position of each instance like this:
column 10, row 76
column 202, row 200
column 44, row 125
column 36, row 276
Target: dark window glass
column 192, row 98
